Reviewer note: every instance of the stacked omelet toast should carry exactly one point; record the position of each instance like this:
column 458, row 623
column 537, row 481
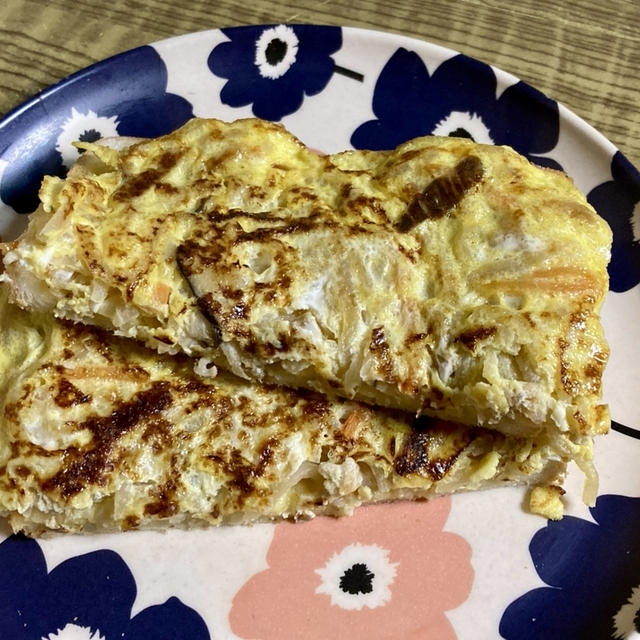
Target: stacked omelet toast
column 284, row 334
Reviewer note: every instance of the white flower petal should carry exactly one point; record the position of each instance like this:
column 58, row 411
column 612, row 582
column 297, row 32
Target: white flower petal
column 358, row 576
column 77, row 127
column 276, row 51
column 624, row 621
column 457, row 121
column 74, row 632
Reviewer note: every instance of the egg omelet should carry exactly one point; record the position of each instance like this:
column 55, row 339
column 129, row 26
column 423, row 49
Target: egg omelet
column 445, row 278
column 99, row 433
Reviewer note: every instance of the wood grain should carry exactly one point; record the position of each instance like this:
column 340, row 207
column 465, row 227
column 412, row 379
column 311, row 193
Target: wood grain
column 584, row 54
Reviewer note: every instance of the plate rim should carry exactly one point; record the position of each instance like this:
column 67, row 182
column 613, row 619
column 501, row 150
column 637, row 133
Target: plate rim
column 573, row 120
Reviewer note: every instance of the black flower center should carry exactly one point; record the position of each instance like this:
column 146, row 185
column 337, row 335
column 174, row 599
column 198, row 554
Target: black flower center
column 276, row 51
column 460, row 133
column 91, row 135
column 357, row 579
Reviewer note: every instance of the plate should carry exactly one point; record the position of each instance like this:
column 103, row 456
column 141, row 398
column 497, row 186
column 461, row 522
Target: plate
column 470, row 566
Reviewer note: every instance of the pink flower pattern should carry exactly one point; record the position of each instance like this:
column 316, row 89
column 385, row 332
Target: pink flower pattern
column 388, row 571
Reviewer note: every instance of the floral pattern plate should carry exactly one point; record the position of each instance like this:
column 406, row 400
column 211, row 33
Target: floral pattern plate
column 471, row 566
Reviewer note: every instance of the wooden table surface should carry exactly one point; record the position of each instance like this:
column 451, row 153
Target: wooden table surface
column 585, row 54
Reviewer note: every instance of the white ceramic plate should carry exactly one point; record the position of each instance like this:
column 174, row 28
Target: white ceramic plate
column 472, row 566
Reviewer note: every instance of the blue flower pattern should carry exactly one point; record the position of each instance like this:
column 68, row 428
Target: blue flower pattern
column 618, row 202
column 274, row 67
column 591, row 569
column 132, row 86
column 408, row 102
column 95, row 591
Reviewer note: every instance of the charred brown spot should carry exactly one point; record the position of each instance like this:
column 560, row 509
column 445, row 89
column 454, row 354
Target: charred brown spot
column 89, row 466
column 578, row 319
column 220, row 406
column 569, row 383
column 304, row 194
column 601, row 418
column 580, row 419
column 266, row 455
column 158, row 434
column 132, row 286
column 409, row 387
column 414, row 457
column 471, row 337
column 22, row 471
column 69, row 395
column 416, row 337
column 232, row 294
column 213, row 163
column 29, row 449
column 136, row 185
column 169, row 160
column 256, row 191
column 165, row 504
column 314, row 405
column 166, row 188
column 443, row 194
column 592, row 370
column 412, row 255
column 242, row 473
column 408, row 155
column 367, row 203
column 285, row 342
column 287, row 228
column 432, row 448
column 209, row 308
column 380, row 349
column 192, row 259
column 130, row 522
